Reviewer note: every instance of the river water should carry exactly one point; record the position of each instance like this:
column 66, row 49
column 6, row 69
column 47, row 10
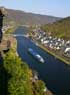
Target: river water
column 55, row 73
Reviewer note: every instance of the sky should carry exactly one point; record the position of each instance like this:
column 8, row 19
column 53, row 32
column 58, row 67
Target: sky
column 59, row 8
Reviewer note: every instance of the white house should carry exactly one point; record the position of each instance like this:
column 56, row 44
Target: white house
column 45, row 42
column 67, row 50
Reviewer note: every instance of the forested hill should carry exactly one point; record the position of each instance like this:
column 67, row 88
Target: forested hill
column 22, row 17
column 59, row 29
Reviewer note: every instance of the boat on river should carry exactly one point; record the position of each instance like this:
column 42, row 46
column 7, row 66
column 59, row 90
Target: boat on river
column 36, row 55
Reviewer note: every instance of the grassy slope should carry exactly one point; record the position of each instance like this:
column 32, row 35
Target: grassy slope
column 59, row 29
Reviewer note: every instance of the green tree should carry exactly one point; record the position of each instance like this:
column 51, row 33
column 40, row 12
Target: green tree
column 19, row 83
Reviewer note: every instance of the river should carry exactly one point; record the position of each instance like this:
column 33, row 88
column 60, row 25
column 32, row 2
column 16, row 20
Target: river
column 55, row 73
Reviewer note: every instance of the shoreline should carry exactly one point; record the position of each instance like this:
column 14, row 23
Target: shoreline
column 53, row 54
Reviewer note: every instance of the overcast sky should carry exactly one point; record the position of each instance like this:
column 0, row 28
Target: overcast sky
column 59, row 8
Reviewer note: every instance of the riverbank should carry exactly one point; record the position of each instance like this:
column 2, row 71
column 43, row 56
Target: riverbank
column 53, row 54
column 13, row 52
column 60, row 57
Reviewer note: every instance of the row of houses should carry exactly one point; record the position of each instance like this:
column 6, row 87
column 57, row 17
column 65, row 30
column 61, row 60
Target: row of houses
column 51, row 42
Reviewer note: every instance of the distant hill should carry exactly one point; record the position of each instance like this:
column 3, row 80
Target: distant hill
column 60, row 28
column 22, row 17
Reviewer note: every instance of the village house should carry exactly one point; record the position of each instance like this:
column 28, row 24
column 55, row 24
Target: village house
column 67, row 52
column 52, row 43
